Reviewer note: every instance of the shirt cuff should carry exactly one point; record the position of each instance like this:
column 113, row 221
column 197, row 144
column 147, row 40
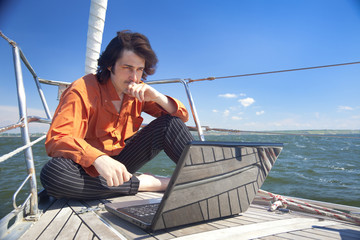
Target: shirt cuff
column 181, row 111
column 87, row 160
column 134, row 185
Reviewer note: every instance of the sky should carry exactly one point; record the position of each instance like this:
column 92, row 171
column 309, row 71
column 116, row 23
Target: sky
column 197, row 39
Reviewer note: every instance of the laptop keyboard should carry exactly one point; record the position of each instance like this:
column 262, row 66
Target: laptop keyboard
column 143, row 212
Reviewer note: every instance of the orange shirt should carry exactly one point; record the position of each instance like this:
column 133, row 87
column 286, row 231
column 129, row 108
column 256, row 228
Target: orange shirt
column 86, row 124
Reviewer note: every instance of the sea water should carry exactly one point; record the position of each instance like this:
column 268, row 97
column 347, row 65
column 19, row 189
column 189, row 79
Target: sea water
column 324, row 168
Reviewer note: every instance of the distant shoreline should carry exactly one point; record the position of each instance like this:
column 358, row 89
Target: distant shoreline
column 295, row 132
column 19, row 135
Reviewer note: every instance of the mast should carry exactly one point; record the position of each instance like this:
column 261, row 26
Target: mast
column 95, row 33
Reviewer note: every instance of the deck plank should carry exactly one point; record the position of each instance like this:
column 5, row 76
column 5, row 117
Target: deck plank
column 342, row 225
column 84, row 233
column 293, row 236
column 101, row 230
column 219, row 224
column 162, row 235
column 71, row 228
column 228, row 223
column 251, row 219
column 256, row 217
column 62, row 221
column 271, row 238
column 38, row 227
column 192, row 229
column 323, row 233
column 308, row 235
column 239, row 221
column 258, row 230
column 57, row 224
column 345, row 230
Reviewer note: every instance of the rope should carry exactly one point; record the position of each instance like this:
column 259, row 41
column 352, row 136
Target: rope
column 271, row 72
column 279, row 201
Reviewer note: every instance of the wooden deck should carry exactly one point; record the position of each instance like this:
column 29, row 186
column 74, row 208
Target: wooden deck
column 64, row 219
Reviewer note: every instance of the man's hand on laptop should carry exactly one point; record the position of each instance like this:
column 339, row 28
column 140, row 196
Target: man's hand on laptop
column 113, row 171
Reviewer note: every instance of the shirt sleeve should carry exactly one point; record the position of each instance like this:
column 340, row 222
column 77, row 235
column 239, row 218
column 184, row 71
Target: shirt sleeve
column 66, row 135
column 156, row 110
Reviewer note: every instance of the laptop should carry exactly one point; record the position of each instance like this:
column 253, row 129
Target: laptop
column 211, row 180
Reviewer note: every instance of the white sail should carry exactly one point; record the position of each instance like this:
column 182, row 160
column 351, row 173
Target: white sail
column 95, row 33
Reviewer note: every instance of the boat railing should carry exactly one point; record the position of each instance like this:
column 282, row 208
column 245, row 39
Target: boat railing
column 29, row 208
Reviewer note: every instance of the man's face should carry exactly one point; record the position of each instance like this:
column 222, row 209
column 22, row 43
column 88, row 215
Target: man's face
column 127, row 69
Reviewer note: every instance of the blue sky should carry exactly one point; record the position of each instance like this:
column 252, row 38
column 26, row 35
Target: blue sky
column 195, row 39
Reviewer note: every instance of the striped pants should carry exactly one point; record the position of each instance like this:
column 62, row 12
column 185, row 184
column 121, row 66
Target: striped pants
column 63, row 178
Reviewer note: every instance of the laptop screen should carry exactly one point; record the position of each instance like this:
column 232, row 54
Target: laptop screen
column 213, row 180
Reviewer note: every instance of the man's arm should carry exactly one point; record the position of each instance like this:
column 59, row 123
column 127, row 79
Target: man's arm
column 113, row 171
column 146, row 93
column 116, row 174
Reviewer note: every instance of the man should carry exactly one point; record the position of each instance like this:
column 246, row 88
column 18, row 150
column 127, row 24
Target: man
column 94, row 140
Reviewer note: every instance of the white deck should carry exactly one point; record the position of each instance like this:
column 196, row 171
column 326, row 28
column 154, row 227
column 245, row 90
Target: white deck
column 61, row 221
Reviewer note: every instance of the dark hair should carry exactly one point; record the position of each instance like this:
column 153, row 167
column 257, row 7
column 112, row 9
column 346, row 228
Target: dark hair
column 126, row 40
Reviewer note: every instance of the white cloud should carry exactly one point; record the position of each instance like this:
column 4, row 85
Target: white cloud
column 236, row 118
column 290, row 123
column 228, row 95
column 246, row 101
column 346, row 108
column 215, row 111
column 231, row 95
column 260, row 112
column 226, row 113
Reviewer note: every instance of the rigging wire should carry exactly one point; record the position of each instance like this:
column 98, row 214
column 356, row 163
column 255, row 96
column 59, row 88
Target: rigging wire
column 271, row 72
column 239, row 75
column 247, row 75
